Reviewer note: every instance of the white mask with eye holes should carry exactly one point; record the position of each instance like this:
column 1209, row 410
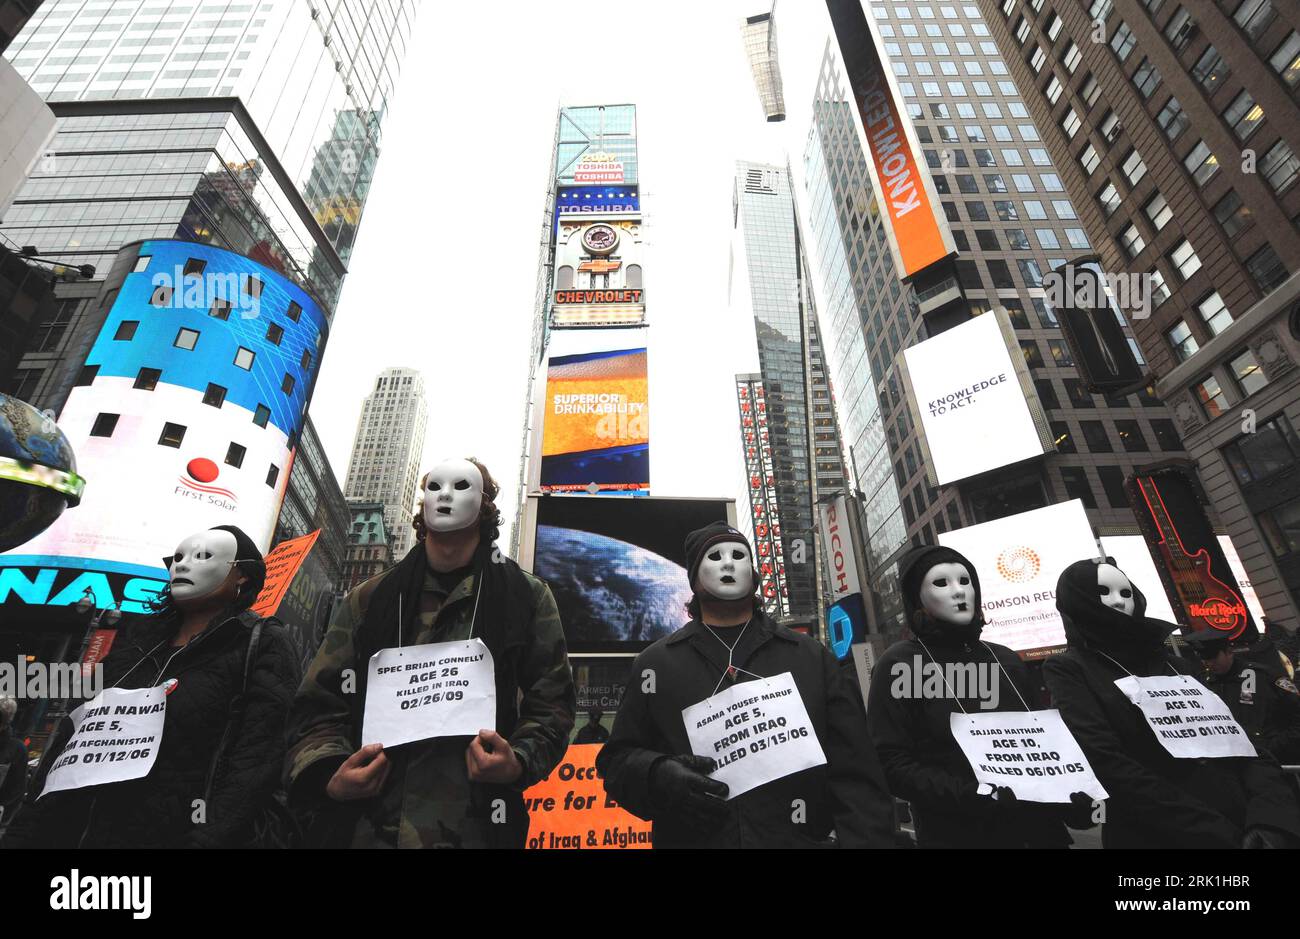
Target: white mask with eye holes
column 201, row 564
column 947, row 593
column 727, row 571
column 1116, row 590
column 453, row 495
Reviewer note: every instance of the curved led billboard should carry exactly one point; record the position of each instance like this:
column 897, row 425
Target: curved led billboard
column 186, row 415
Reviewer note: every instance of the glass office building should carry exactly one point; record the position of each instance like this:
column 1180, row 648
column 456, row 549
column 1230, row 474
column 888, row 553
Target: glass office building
column 805, row 441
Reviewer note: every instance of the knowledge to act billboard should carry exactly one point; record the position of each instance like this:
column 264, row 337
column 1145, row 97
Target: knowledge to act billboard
column 968, row 397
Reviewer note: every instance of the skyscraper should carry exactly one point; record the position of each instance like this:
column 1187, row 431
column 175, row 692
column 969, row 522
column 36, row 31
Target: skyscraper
column 802, row 450
column 1177, row 130
column 386, row 452
column 1011, row 222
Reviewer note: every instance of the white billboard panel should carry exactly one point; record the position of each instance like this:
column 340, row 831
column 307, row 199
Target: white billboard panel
column 970, row 402
column 1019, row 559
column 841, row 559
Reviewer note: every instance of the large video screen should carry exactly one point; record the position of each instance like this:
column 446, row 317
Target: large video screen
column 596, row 426
column 617, row 567
column 973, row 410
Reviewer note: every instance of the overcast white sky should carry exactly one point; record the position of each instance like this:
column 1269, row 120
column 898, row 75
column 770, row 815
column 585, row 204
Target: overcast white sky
column 443, row 273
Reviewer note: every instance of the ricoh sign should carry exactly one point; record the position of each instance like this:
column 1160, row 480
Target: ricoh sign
column 838, row 543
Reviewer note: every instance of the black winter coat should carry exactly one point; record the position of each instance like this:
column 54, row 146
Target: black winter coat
column 156, row 810
column 13, row 772
column 923, row 762
column 1156, row 800
column 846, row 795
column 1271, row 712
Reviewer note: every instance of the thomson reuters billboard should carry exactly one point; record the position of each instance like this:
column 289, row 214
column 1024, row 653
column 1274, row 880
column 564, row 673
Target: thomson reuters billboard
column 918, row 236
column 1019, row 559
column 968, row 397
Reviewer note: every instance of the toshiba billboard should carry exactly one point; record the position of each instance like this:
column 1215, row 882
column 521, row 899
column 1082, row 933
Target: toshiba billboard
column 918, row 236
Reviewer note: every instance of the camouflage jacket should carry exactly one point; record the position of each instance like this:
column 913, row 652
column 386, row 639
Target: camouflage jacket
column 427, row 800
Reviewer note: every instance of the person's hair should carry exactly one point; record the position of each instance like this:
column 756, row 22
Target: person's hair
column 489, row 516
column 8, row 708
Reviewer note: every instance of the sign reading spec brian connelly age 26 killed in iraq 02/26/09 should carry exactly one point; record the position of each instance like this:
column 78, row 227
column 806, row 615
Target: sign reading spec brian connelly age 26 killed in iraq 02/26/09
column 1188, row 719
column 117, row 737
column 757, row 730
column 1032, row 753
column 440, row 689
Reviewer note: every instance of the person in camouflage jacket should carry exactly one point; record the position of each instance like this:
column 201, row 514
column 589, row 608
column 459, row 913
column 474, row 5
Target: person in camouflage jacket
column 447, row 791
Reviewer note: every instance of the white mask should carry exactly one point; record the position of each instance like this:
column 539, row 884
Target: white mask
column 726, row 571
column 1115, row 589
column 453, row 495
column 947, row 593
column 201, row 564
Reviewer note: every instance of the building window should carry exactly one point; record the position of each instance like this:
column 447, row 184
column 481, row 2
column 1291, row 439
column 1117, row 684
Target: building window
column 274, row 334
column 1182, row 341
column 272, row 475
column 1166, row 435
column 1033, row 358
column 214, row 396
column 1286, row 59
column 1054, row 88
column 1212, row 397
column 1180, row 29
column 1095, row 434
column 85, row 377
column 186, row 338
column 1158, row 211
column 1215, row 313
column 1076, row 485
column 1062, row 437
column 1280, row 167
column 287, row 385
column 141, row 264
column 1272, row 448
column 1159, row 292
column 1249, row 376
column 1089, row 159
column 294, row 311
column 1072, row 58
column 1172, row 119
column 1112, row 483
column 1110, row 127
column 172, row 435
column 104, row 425
column 1133, row 167
column 1232, row 214
column 1131, row 240
column 1184, row 259
column 1255, row 16
column 1090, row 92
column 253, row 286
column 1071, row 123
column 126, row 330
column 235, row 455
column 1281, row 527
column 1079, row 396
column 1147, row 78
column 1123, row 42
column 194, row 267
column 1108, row 198
column 261, row 415
column 1210, row 70
column 305, row 362
column 244, row 358
column 1201, row 163
column 1060, row 353
column 147, row 379
column 220, row 308
column 1267, row 269
column 1130, row 436
column 1243, row 115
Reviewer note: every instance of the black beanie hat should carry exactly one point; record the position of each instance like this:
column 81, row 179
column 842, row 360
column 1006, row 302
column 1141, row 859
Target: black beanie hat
column 249, row 562
column 700, row 540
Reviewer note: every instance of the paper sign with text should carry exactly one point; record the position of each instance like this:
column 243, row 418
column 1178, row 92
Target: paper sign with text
column 440, row 689
column 757, row 730
column 570, row 808
column 116, row 737
column 1032, row 753
column 281, row 566
column 1188, row 719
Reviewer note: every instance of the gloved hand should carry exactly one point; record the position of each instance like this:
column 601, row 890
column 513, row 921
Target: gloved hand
column 1265, row 838
column 679, row 787
column 1078, row 814
column 1004, row 800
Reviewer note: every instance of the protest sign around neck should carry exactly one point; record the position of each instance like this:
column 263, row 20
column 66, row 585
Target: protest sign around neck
column 1188, row 719
column 439, row 689
column 116, row 737
column 1032, row 753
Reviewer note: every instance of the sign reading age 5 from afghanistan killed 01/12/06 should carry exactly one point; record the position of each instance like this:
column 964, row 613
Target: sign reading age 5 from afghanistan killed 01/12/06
column 116, row 737
column 757, row 730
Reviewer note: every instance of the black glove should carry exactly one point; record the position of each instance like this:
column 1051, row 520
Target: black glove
column 1004, row 800
column 680, row 788
column 1078, row 814
column 1265, row 838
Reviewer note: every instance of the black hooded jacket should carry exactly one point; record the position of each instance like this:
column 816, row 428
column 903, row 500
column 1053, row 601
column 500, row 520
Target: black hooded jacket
column 1156, row 800
column 921, row 759
column 156, row 810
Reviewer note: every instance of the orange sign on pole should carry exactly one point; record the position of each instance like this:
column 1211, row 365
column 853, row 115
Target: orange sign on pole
column 281, row 566
column 570, row 809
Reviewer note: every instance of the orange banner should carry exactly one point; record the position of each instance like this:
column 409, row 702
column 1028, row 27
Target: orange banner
column 570, row 809
column 281, row 566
